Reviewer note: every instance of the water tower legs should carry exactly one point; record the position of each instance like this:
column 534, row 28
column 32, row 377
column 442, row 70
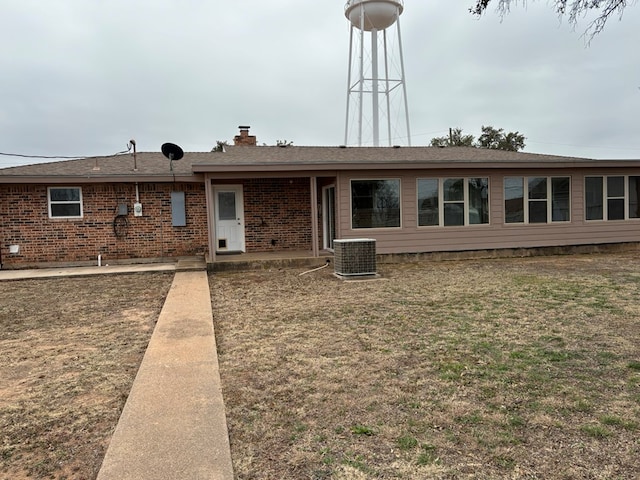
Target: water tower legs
column 374, row 85
column 373, row 90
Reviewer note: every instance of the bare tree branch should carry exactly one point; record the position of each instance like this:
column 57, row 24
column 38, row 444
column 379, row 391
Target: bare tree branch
column 573, row 10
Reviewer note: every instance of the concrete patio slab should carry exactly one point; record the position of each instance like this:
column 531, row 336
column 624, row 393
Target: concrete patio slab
column 85, row 271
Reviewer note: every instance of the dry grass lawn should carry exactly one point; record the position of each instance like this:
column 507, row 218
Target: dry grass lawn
column 511, row 368
column 70, row 349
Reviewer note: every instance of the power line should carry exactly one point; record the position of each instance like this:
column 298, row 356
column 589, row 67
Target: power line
column 6, row 162
column 62, row 157
column 583, row 146
column 40, row 156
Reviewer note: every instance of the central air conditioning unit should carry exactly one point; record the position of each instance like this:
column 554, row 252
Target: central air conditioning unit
column 355, row 257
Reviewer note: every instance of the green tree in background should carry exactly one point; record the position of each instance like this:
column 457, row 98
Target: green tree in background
column 492, row 138
column 497, row 139
column 455, row 139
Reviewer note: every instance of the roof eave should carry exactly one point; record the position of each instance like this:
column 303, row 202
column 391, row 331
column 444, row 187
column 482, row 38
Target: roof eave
column 413, row 165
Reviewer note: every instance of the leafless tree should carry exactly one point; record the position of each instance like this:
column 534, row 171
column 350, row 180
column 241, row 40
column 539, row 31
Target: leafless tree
column 571, row 9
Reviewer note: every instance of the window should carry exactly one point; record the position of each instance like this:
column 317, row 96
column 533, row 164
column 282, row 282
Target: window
column 513, row 200
column 537, row 188
column 463, row 201
column 612, row 198
column 634, row 193
column 537, row 199
column 594, row 192
column 560, row 199
column 478, row 200
column 428, row 205
column 226, row 205
column 65, row 202
column 453, row 201
column 375, row 203
column 615, row 198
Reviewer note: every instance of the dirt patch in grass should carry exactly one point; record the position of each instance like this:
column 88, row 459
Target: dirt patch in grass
column 70, row 350
column 511, row 368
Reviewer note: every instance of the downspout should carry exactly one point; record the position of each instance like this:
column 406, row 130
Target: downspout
column 1, row 240
column 337, row 234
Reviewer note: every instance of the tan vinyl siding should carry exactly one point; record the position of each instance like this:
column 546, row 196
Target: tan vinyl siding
column 496, row 235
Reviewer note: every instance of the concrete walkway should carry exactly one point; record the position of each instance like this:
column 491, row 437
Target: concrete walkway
column 173, row 425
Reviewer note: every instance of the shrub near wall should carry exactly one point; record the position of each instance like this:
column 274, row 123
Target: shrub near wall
column 277, row 214
column 25, row 222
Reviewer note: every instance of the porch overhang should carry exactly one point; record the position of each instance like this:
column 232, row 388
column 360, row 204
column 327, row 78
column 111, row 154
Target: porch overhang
column 211, row 179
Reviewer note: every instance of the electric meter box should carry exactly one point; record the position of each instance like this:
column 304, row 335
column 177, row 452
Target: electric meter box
column 137, row 209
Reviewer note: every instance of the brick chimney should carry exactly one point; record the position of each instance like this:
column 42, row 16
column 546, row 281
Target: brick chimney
column 244, row 139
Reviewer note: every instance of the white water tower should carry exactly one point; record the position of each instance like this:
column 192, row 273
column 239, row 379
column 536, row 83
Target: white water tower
column 376, row 73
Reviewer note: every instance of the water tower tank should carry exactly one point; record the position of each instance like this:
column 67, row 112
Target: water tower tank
column 378, row 14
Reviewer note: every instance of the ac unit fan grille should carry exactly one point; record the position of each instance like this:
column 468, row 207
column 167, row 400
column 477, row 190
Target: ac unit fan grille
column 355, row 257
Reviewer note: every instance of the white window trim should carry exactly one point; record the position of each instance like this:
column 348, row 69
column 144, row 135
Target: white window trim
column 441, row 202
column 49, row 202
column 374, row 180
column 606, row 198
column 549, row 200
column 625, row 195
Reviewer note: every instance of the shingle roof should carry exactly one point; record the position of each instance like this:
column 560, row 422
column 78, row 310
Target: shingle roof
column 148, row 165
column 353, row 155
column 153, row 166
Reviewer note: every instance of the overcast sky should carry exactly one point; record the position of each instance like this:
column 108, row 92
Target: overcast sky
column 82, row 77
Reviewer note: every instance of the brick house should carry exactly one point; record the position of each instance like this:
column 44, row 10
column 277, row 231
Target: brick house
column 251, row 198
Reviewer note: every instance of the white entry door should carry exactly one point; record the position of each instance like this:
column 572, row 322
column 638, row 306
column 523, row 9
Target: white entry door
column 229, row 221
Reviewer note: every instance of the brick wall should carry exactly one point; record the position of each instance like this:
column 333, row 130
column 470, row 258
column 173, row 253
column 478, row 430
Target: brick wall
column 24, row 221
column 277, row 214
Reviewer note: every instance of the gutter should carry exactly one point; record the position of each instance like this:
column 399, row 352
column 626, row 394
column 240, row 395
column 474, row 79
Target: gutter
column 411, row 165
column 57, row 180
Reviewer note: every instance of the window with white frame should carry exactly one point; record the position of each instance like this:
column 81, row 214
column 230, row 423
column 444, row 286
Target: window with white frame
column 375, row 203
column 537, row 199
column 514, row 200
column 594, row 198
column 453, row 201
column 560, row 199
column 65, row 202
column 613, row 197
column 428, row 202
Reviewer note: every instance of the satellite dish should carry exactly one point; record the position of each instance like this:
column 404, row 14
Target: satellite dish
column 172, row 151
